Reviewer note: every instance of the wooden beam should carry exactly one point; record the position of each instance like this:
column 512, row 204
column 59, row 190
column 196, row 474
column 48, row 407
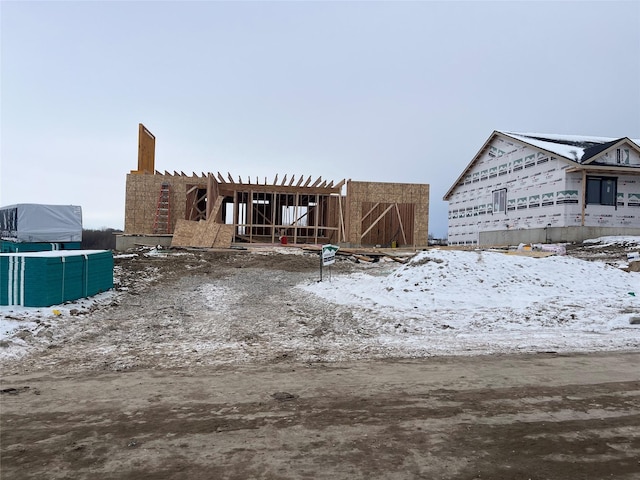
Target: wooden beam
column 284, row 180
column 369, row 212
column 275, row 180
column 317, row 182
column 293, row 177
column 306, row 184
column 295, row 213
column 300, row 181
column 316, row 218
column 340, row 183
column 281, row 189
column 230, row 178
column 376, row 221
column 401, row 226
column 341, row 226
column 220, row 178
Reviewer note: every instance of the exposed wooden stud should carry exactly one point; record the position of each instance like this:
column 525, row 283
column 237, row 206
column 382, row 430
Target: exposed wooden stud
column 295, row 214
column 273, row 217
column 306, row 184
column 300, row 180
column 275, row 180
column 317, row 182
column 284, row 180
column 230, row 178
column 220, row 178
column 344, row 237
column 404, row 237
column 293, row 177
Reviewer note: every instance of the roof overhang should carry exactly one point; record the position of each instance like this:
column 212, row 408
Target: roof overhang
column 619, row 143
column 611, row 169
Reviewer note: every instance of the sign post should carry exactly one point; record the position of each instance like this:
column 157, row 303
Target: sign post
column 328, row 256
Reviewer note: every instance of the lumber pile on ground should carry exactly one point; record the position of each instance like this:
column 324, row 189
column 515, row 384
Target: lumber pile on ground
column 363, row 254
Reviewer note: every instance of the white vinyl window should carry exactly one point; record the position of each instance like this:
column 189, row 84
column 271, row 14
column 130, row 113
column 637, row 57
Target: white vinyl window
column 500, row 201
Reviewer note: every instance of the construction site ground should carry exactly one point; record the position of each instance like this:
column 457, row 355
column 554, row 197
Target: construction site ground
column 161, row 383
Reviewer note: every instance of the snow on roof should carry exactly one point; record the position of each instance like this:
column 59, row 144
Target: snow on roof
column 568, row 146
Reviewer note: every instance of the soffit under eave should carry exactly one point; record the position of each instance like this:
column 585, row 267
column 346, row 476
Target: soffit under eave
column 604, row 169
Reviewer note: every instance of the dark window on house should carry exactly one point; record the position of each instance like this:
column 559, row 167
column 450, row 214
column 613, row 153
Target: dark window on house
column 602, row 190
column 500, row 200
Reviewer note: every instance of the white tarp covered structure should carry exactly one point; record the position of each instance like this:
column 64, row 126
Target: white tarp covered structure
column 33, row 223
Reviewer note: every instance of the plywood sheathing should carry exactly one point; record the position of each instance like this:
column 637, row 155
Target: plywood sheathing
column 406, row 218
column 203, row 234
column 146, row 151
column 141, row 199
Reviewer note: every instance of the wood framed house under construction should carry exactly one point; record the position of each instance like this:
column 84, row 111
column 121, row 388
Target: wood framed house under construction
column 210, row 209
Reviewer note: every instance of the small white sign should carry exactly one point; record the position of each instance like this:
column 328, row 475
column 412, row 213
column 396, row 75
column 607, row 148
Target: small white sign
column 329, row 254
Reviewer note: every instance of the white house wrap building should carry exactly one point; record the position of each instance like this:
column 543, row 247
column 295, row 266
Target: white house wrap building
column 526, row 188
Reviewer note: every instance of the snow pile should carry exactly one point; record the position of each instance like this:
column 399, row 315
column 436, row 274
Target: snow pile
column 628, row 242
column 450, row 300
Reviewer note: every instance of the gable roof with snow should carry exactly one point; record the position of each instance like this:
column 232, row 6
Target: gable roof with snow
column 577, row 149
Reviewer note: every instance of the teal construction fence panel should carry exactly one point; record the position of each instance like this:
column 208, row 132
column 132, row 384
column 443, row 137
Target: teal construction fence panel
column 42, row 279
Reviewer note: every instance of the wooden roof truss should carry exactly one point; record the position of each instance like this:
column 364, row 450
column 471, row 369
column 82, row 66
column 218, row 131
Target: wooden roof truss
column 302, row 209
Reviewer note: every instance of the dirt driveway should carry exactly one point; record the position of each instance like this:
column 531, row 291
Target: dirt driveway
column 177, row 379
column 524, row 417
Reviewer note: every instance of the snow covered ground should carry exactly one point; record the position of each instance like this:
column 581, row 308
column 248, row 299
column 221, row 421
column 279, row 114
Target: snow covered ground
column 491, row 301
column 441, row 302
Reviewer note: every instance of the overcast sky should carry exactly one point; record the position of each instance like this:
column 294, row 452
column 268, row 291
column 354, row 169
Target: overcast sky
column 384, row 91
